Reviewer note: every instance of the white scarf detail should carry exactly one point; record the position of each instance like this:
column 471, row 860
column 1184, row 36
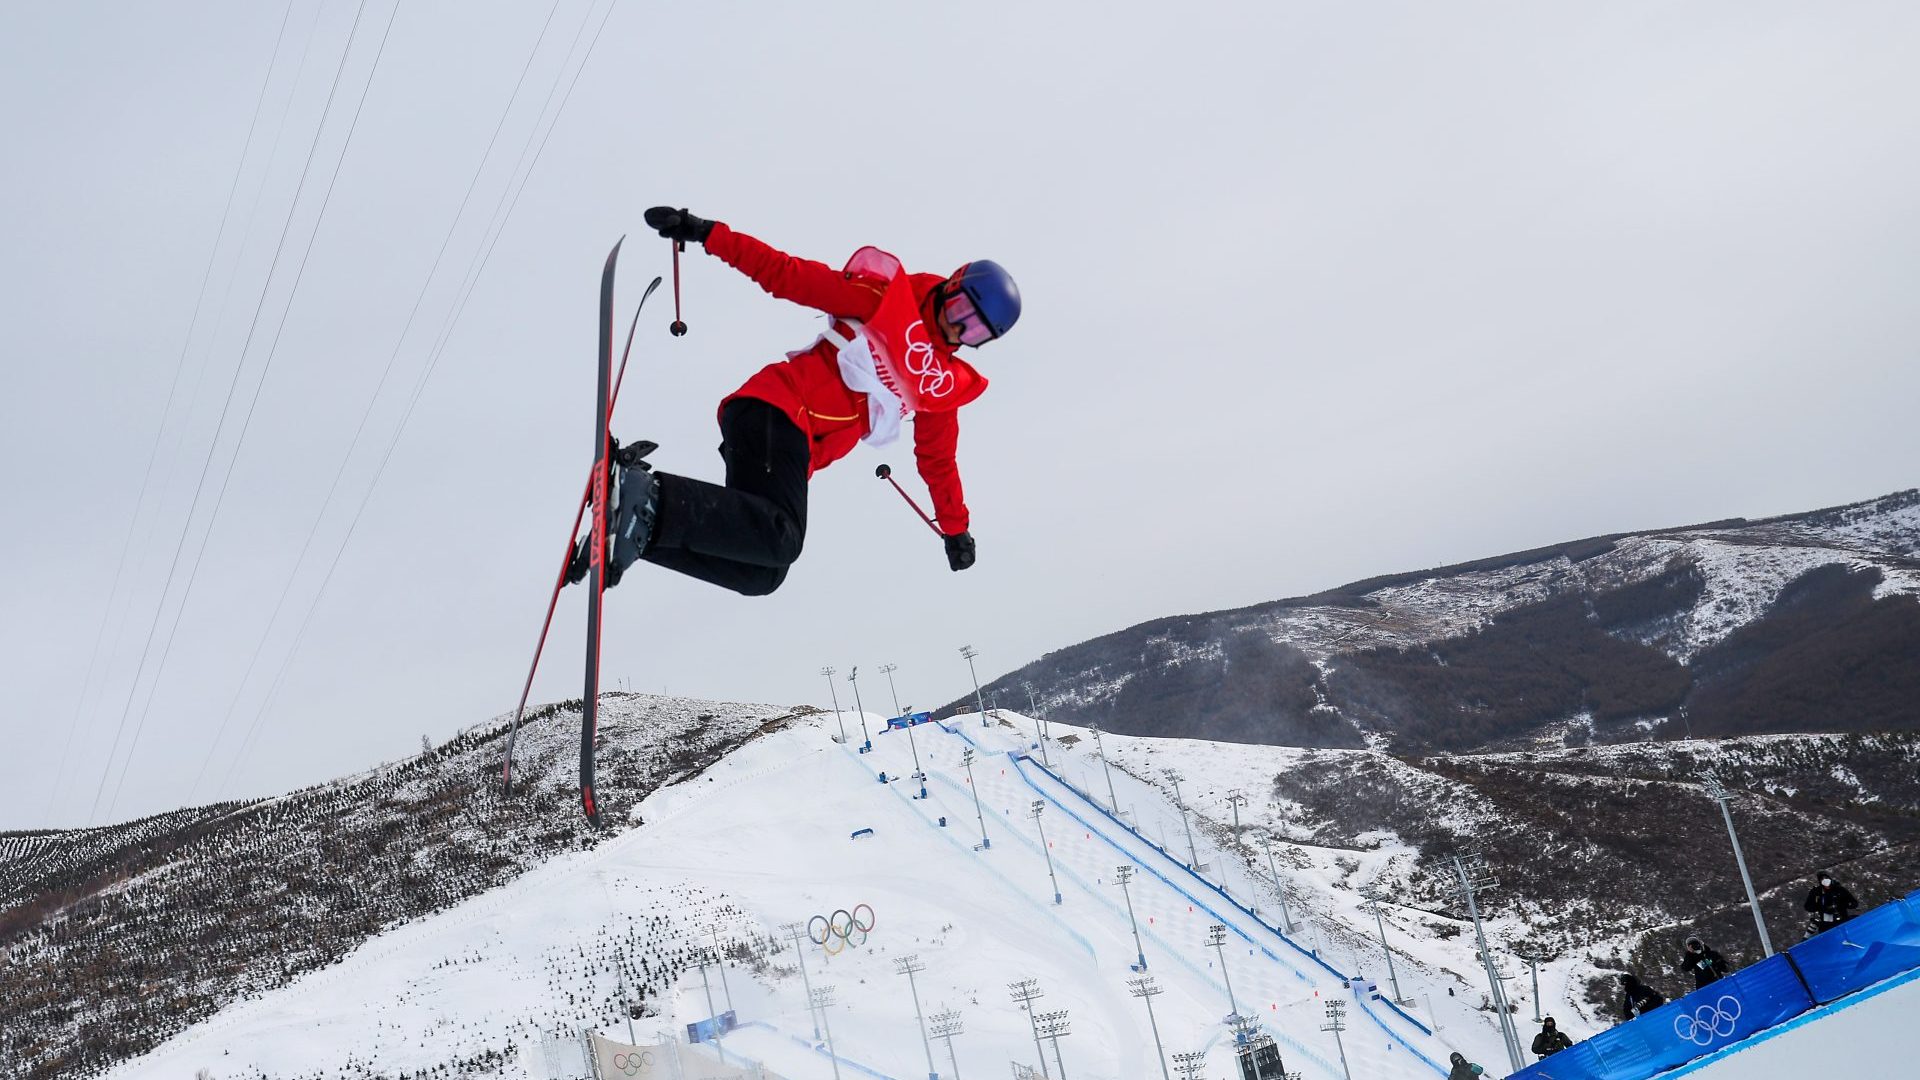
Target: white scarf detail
column 859, row 371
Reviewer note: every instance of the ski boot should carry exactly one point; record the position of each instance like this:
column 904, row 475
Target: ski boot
column 633, row 500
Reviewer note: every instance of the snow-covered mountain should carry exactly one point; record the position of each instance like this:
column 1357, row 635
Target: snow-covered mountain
column 1799, row 623
column 411, row 921
column 478, row 936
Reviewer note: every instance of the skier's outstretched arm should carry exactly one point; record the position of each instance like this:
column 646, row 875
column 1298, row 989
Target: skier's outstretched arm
column 936, row 436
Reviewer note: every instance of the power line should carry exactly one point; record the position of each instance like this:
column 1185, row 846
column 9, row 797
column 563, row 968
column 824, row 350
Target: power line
column 232, row 385
column 173, row 387
column 367, row 414
column 246, row 423
column 419, row 389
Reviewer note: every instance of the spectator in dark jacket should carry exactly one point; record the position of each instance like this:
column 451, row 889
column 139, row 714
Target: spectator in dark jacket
column 1705, row 964
column 1462, row 1068
column 1829, row 904
column 1637, row 998
column 1551, row 1039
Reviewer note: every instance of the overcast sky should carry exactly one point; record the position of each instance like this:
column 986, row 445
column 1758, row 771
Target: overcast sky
column 1313, row 292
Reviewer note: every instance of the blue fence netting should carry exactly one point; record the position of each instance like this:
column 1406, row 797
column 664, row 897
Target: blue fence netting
column 1879, row 945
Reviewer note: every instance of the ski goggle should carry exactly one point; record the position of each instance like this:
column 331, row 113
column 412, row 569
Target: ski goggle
column 959, row 310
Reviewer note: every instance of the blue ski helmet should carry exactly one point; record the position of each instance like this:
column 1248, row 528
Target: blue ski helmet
column 982, row 300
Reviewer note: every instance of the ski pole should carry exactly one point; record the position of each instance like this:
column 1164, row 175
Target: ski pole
column 885, row 472
column 677, row 328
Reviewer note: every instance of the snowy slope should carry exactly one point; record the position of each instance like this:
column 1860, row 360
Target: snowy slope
column 763, row 839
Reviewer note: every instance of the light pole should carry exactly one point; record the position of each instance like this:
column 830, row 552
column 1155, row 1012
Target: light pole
column 1025, row 992
column 1473, row 875
column 1125, row 874
column 822, row 998
column 1236, row 799
column 1191, row 1064
column 1217, row 940
column 1034, row 813
column 967, row 653
column 1533, row 965
column 719, row 1047
column 866, row 740
column 1105, row 767
column 800, row 953
column 888, row 670
column 720, row 962
column 1718, row 793
column 945, row 1026
column 831, row 689
column 1053, row 1027
column 1192, row 855
column 1286, row 916
column 1374, row 902
column 1337, row 1023
column 1144, row 988
column 1039, row 732
column 909, row 966
column 966, row 759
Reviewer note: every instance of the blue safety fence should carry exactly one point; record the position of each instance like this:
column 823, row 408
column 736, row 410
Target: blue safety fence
column 1879, row 945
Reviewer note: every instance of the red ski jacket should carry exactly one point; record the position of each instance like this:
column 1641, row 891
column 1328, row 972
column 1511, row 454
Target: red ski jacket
column 807, row 386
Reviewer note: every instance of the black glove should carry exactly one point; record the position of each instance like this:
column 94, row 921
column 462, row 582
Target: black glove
column 678, row 224
column 960, row 550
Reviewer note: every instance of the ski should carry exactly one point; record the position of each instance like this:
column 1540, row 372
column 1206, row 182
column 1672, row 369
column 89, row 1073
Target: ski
column 597, row 543
column 560, row 580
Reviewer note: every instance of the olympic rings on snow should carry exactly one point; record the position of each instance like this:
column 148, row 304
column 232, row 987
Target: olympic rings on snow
column 841, row 929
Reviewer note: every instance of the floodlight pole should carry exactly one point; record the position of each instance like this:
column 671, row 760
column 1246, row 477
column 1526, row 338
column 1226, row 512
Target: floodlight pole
column 1125, row 874
column 1039, row 730
column 1286, row 916
column 718, row 1046
column 1217, row 939
column 1034, row 813
column 1192, row 855
column 800, row 953
column 968, row 653
column 909, row 966
column 1191, row 1065
column 1236, row 798
column 1381, row 923
column 945, row 1026
column 1337, row 1023
column 966, row 759
column 854, row 678
column 1105, row 767
column 888, row 670
column 720, row 962
column 1470, row 879
column 1025, row 992
column 1053, row 1027
column 822, row 998
column 828, row 672
column 1533, row 965
column 1718, row 793
column 1145, row 988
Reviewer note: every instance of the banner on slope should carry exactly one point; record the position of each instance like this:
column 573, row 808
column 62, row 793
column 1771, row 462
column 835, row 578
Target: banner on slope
column 623, row 1061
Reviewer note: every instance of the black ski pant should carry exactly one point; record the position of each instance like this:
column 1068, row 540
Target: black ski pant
column 745, row 535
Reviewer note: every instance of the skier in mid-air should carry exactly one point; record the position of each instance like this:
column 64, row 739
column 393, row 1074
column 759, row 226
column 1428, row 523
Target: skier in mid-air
column 888, row 354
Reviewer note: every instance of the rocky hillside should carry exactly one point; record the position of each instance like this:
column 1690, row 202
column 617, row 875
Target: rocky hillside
column 166, row 920
column 1804, row 623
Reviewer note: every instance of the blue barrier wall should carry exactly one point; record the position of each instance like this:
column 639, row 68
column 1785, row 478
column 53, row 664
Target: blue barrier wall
column 1851, row 957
